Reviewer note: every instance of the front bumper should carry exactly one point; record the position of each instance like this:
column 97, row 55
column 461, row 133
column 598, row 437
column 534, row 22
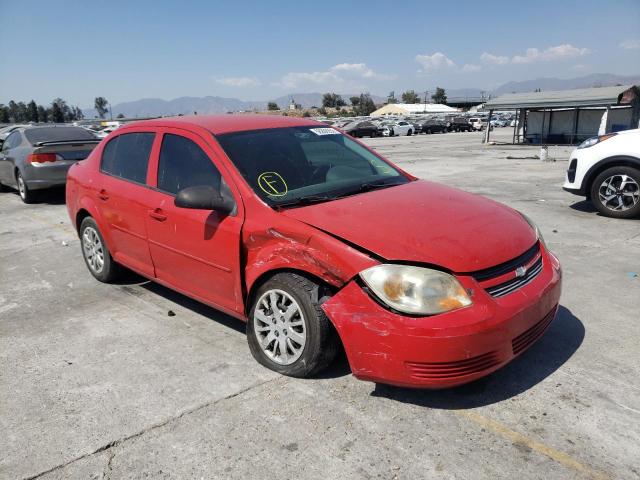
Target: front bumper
column 449, row 349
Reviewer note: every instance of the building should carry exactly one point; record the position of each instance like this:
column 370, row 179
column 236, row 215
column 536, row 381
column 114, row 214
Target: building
column 569, row 116
column 412, row 109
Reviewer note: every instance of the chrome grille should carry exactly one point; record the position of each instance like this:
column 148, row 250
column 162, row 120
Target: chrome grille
column 514, row 284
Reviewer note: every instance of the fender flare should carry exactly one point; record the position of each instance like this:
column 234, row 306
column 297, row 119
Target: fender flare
column 600, row 166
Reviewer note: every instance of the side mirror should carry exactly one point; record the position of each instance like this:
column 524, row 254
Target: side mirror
column 203, row 197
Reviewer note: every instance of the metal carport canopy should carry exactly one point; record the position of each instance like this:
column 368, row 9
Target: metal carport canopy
column 583, row 97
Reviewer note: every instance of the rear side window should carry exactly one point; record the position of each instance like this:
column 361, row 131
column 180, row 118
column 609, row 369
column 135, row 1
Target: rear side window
column 183, row 164
column 13, row 140
column 127, row 156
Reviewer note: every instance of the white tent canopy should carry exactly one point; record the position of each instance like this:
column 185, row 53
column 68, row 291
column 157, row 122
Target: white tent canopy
column 412, row 109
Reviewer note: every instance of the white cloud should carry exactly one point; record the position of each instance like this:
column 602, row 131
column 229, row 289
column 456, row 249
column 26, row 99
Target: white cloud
column 343, row 74
column 491, row 59
column 470, row 67
column 239, row 81
column 565, row 50
column 433, row 62
column 631, row 44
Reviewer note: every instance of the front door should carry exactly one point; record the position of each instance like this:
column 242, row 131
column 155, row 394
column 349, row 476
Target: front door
column 196, row 252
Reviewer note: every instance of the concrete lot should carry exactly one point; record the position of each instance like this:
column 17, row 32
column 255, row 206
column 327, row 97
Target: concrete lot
column 98, row 381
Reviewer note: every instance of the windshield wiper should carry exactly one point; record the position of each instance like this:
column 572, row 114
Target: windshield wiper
column 307, row 200
column 368, row 186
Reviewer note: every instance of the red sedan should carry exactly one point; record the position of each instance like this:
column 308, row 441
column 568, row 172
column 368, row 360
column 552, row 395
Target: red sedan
column 317, row 242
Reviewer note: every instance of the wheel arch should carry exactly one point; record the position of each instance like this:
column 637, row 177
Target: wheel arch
column 604, row 164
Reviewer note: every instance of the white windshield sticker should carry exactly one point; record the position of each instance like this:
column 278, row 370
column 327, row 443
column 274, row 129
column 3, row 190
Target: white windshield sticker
column 324, row 131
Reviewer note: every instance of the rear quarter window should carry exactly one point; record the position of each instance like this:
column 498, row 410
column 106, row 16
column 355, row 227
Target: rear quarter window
column 127, row 156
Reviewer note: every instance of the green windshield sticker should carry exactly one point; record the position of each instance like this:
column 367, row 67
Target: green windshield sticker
column 272, row 184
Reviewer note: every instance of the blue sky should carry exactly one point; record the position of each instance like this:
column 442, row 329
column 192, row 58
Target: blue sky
column 126, row 50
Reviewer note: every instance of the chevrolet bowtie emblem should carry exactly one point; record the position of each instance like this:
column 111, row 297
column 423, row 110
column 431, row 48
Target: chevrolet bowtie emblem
column 521, row 271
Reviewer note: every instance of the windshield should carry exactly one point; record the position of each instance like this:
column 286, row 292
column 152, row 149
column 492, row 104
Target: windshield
column 53, row 134
column 290, row 165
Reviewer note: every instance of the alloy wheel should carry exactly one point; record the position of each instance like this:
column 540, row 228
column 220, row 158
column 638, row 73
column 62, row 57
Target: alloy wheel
column 619, row 193
column 279, row 326
column 22, row 189
column 93, row 249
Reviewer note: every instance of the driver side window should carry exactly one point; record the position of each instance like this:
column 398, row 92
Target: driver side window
column 12, row 141
column 184, row 164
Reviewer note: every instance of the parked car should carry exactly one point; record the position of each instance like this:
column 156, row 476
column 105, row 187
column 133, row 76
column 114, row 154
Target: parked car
column 359, row 129
column 36, row 158
column 456, row 123
column 478, row 124
column 314, row 240
column 398, row 128
column 606, row 170
column 433, row 125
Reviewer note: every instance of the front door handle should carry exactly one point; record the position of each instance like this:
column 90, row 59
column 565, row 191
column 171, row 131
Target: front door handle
column 157, row 215
column 102, row 195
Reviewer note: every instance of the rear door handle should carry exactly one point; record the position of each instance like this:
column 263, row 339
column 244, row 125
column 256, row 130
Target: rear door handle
column 102, row 195
column 157, row 215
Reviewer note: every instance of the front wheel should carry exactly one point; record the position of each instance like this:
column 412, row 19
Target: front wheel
column 409, row 133
column 95, row 252
column 287, row 330
column 616, row 192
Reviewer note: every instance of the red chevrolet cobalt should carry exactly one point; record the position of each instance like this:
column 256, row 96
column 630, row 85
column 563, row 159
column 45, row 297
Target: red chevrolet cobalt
column 316, row 241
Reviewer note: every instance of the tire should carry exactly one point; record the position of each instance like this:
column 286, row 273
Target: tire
column 409, row 133
column 98, row 259
column 318, row 344
column 428, row 131
column 26, row 194
column 616, row 192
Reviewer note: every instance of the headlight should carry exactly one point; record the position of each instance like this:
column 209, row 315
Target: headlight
column 535, row 228
column 415, row 290
column 590, row 142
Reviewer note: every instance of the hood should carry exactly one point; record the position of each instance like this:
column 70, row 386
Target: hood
column 425, row 222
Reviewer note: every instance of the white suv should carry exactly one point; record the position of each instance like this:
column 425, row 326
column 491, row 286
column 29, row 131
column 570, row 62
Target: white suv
column 606, row 170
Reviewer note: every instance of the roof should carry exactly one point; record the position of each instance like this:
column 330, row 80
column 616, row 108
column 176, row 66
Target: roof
column 219, row 124
column 583, row 97
column 414, row 108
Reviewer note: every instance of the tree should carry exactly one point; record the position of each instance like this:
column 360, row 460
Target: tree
column 332, row 100
column 77, row 113
column 100, row 104
column 4, row 114
column 354, row 101
column 392, row 98
column 440, row 96
column 364, row 105
column 57, row 115
column 306, row 114
column 32, row 112
column 13, row 111
column 43, row 114
column 272, row 106
column 22, row 112
column 410, row 96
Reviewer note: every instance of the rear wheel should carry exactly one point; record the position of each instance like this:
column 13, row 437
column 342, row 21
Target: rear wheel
column 616, row 192
column 409, row 133
column 26, row 194
column 287, row 330
column 95, row 253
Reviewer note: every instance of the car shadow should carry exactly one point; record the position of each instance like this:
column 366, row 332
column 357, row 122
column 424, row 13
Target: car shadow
column 557, row 345
column 583, row 206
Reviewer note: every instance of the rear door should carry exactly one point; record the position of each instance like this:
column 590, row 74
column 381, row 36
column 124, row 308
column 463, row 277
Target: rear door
column 121, row 194
column 194, row 251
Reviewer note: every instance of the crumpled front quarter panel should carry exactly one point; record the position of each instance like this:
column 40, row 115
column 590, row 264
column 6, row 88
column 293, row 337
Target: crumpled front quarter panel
column 280, row 242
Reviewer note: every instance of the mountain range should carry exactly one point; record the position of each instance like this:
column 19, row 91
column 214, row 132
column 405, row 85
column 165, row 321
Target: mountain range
column 152, row 107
